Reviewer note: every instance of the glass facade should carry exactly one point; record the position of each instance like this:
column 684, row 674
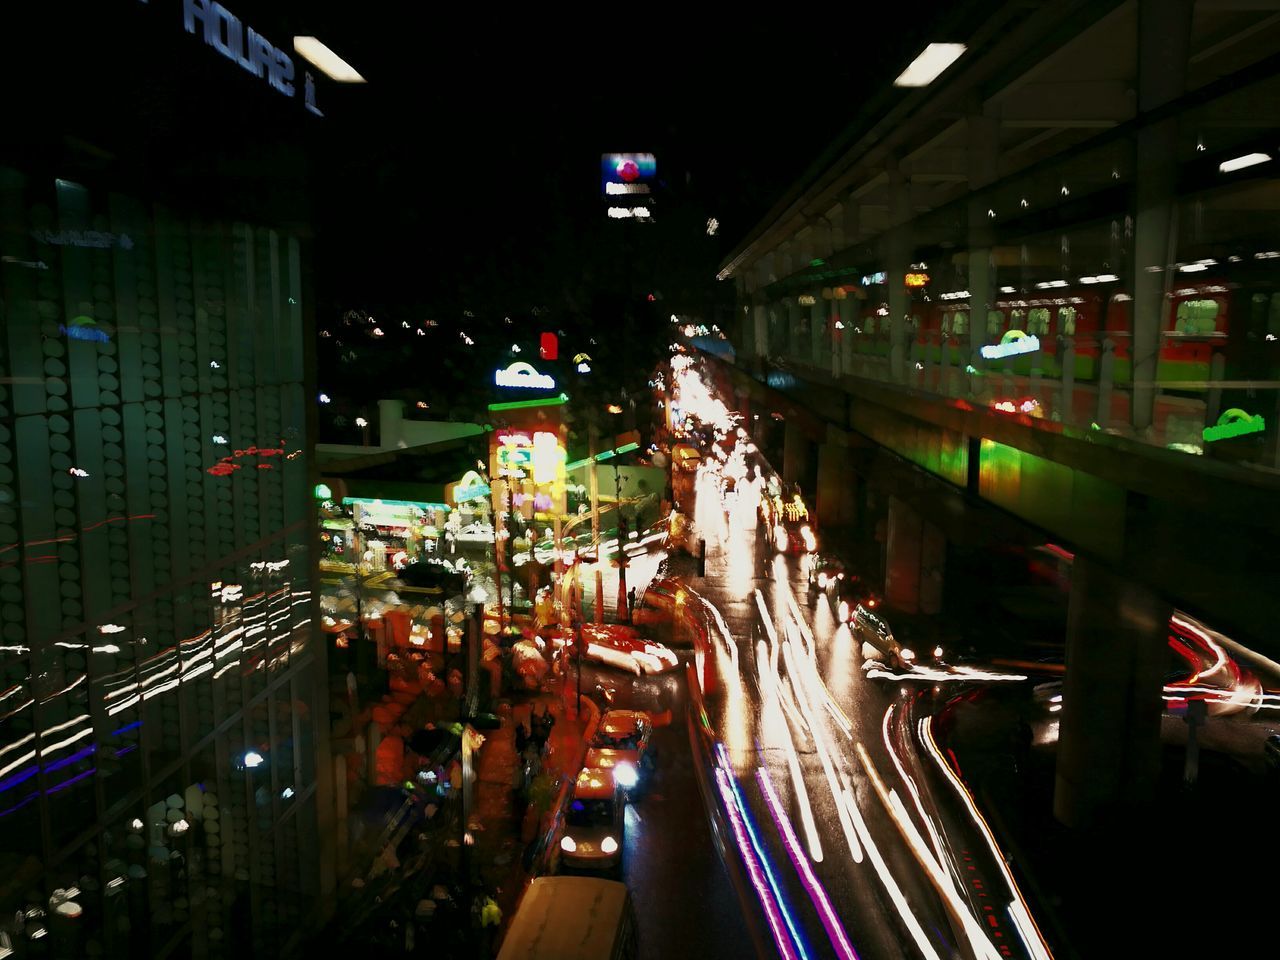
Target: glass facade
column 159, row 726
column 1120, row 280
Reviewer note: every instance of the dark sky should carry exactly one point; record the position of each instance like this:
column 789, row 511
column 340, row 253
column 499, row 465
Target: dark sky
column 479, row 138
column 470, row 160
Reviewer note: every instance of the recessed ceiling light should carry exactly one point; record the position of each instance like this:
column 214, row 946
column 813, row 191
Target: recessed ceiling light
column 925, row 68
column 326, row 61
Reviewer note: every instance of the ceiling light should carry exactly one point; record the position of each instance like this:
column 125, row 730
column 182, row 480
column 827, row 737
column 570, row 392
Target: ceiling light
column 925, row 68
column 1007, row 290
column 1239, row 163
column 326, row 61
column 1193, row 267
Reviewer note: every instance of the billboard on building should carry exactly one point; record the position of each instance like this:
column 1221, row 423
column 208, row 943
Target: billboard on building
column 627, row 174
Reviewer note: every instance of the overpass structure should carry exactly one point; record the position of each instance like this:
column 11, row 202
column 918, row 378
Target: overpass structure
column 1040, row 299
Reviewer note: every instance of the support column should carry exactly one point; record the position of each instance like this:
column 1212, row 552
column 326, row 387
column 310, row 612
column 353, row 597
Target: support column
column 899, row 257
column 848, row 314
column 1164, row 37
column 1109, row 739
column 983, row 140
column 837, row 486
column 902, row 557
column 760, row 319
column 795, row 453
column 933, row 562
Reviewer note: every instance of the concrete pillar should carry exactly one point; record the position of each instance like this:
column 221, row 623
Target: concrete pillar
column 837, row 487
column 1164, row 37
column 1109, row 737
column 760, row 321
column 983, row 142
column 848, row 308
column 391, row 423
column 933, row 562
column 795, row 453
column 818, row 337
column 899, row 259
column 902, row 557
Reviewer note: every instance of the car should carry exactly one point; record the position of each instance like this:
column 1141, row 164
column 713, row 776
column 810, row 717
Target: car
column 824, row 567
column 879, row 643
column 594, row 823
column 686, row 457
column 621, row 744
column 846, row 592
column 615, row 645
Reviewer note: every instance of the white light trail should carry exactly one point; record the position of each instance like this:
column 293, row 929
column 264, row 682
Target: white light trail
column 940, row 880
column 772, row 705
column 1021, row 917
column 823, row 748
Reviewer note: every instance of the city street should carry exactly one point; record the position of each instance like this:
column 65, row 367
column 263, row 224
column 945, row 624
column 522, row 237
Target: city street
column 807, row 736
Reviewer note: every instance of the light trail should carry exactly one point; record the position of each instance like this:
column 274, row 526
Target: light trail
column 940, row 880
column 813, row 886
column 824, row 752
column 911, row 784
column 773, row 706
column 771, row 912
column 1018, row 911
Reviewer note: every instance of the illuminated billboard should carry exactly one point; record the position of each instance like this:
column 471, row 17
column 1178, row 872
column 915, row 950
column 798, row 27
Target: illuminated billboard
column 627, row 174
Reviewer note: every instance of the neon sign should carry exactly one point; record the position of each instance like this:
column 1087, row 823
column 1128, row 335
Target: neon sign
column 1012, row 344
column 916, row 279
column 524, row 376
column 873, row 278
column 470, row 487
column 1235, row 423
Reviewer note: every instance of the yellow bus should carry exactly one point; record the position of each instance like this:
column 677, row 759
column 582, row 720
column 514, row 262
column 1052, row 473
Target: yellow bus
column 572, row 918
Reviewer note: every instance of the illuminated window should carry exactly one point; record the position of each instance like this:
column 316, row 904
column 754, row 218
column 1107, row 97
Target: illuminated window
column 1197, row 317
column 960, row 323
column 1067, row 321
column 1037, row 321
column 995, row 321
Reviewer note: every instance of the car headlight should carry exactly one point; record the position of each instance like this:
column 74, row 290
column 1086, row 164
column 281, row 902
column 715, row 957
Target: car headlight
column 937, row 653
column 780, row 538
column 568, row 845
column 844, row 610
column 906, row 653
column 625, row 774
column 609, row 845
column 822, row 581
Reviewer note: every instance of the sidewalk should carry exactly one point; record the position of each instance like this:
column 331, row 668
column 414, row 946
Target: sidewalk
column 507, row 851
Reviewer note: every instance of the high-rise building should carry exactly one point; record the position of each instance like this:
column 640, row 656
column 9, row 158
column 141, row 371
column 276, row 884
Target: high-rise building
column 163, row 701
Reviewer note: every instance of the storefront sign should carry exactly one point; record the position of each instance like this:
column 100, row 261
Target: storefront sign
column 240, row 44
column 872, row 278
column 1011, row 344
column 1235, row 423
column 916, row 279
column 524, row 376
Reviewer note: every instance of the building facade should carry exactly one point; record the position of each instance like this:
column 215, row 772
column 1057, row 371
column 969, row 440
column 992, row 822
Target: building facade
column 1074, row 223
column 163, row 696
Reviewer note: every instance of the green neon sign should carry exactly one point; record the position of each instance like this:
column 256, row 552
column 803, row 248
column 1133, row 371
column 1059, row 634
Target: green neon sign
column 323, row 492
column 525, row 404
column 1235, row 423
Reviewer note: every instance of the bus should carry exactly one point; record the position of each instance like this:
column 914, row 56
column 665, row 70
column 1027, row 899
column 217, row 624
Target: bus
column 572, row 918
